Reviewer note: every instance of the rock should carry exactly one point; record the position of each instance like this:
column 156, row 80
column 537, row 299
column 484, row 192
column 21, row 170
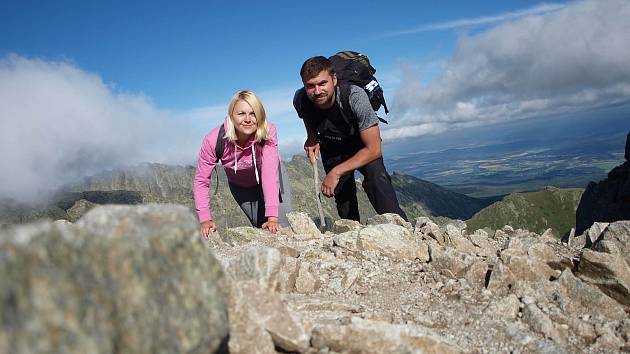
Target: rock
column 507, row 229
column 287, row 251
column 367, row 337
column 501, row 278
column 288, row 275
column 460, row 224
column 463, row 244
column 421, row 221
column 451, row 262
column 568, row 237
column 579, row 293
column 303, row 304
column 506, row 308
column 500, row 235
column 609, row 272
column 607, row 341
column 315, row 255
column 260, row 321
column 134, row 279
column 345, row 225
column 307, row 281
column 347, row 240
column 476, row 274
column 619, row 233
column 350, row 278
column 433, row 231
column 79, row 209
column 594, row 232
column 393, row 241
column 390, row 218
column 541, row 323
column 261, row 264
column 242, row 235
column 480, row 233
column 302, row 224
column 483, row 247
column 549, row 236
column 528, row 268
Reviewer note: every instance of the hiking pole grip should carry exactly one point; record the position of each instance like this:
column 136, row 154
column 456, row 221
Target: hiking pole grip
column 322, row 221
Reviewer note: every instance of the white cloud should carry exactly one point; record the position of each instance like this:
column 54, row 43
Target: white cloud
column 59, row 123
column 559, row 62
column 477, row 21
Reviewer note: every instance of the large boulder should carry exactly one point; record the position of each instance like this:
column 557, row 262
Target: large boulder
column 368, row 336
column 393, row 241
column 261, row 321
column 124, row 279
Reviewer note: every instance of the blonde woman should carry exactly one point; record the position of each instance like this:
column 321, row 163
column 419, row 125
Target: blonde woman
column 251, row 162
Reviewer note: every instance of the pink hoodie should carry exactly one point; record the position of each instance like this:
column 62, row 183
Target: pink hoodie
column 241, row 173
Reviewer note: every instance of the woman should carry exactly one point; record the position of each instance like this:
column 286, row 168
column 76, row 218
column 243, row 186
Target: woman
column 251, row 162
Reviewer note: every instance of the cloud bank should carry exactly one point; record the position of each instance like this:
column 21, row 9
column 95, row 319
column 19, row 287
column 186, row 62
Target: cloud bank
column 59, row 123
column 564, row 61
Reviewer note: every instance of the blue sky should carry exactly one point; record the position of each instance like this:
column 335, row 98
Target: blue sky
column 100, row 84
column 196, row 53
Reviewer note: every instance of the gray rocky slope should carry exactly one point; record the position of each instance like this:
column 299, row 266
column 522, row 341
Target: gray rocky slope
column 159, row 183
column 139, row 279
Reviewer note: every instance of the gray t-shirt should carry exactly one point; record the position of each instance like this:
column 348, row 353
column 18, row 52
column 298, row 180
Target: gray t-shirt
column 359, row 104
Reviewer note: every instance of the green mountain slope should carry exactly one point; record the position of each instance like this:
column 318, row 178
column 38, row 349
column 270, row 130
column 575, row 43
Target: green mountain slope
column 421, row 198
column 536, row 211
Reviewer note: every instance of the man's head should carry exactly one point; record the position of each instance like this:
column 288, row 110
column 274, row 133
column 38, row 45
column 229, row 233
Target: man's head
column 319, row 81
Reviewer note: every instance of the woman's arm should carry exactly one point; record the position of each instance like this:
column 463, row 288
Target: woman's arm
column 270, row 176
column 201, row 182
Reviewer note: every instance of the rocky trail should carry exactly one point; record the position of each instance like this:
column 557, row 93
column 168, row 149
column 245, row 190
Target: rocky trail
column 140, row 279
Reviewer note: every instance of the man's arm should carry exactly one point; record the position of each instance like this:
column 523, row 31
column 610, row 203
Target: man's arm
column 371, row 138
column 311, row 145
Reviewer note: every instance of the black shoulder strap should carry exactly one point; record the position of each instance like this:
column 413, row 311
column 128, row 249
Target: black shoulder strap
column 220, row 145
column 346, row 111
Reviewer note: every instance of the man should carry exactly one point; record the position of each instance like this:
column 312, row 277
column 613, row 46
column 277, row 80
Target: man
column 345, row 143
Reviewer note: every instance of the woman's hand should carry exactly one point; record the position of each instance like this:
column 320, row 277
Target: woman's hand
column 207, row 227
column 272, row 224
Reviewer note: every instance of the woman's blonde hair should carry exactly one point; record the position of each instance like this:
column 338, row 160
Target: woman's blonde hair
column 250, row 97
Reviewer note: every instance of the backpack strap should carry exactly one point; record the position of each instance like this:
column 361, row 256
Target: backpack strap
column 346, row 111
column 220, row 145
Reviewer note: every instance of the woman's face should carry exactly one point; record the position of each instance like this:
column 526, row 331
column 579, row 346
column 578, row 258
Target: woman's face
column 244, row 120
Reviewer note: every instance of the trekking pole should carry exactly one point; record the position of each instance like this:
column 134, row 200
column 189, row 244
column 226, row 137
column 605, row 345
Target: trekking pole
column 322, row 221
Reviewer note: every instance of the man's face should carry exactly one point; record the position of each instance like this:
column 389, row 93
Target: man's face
column 321, row 89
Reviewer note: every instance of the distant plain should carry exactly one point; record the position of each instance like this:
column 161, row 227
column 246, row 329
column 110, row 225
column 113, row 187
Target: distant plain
column 565, row 152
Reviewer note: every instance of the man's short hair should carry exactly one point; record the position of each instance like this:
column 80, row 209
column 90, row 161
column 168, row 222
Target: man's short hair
column 315, row 65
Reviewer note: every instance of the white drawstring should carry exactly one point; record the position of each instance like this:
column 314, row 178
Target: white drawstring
column 253, row 157
column 255, row 167
column 235, row 160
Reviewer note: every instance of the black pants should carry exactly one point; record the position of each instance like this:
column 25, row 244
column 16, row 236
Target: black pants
column 376, row 183
column 252, row 201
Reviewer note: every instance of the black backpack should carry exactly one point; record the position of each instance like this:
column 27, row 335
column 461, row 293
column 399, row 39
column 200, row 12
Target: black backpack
column 354, row 68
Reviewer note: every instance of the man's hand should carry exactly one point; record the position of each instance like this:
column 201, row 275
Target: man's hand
column 311, row 147
column 207, row 227
column 272, row 224
column 330, row 183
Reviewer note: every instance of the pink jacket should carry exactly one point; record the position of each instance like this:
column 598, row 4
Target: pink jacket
column 238, row 164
